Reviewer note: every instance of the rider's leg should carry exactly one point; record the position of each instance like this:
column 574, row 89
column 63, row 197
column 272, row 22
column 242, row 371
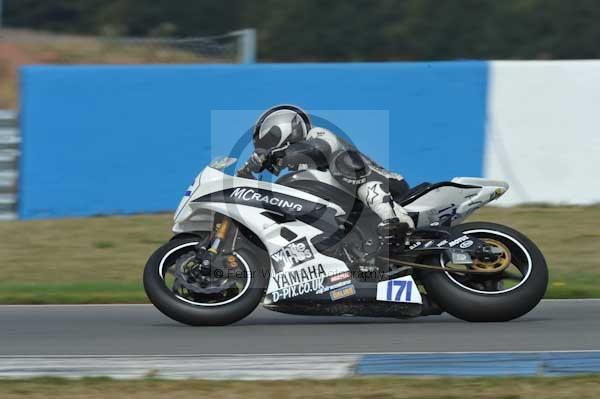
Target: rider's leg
column 395, row 221
column 350, row 168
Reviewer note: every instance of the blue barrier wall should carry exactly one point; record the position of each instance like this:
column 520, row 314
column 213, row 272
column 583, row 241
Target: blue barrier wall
column 127, row 139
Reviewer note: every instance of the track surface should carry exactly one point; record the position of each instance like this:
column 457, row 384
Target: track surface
column 141, row 330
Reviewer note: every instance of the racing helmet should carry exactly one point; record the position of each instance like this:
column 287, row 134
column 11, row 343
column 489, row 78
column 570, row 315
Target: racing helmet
column 280, row 125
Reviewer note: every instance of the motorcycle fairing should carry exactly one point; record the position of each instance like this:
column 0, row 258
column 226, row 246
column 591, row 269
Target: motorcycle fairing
column 299, row 272
column 451, row 202
column 191, row 216
column 301, row 269
column 278, row 206
column 446, row 202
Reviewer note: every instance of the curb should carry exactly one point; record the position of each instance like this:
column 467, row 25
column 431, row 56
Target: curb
column 224, row 367
column 309, row 366
column 481, row 364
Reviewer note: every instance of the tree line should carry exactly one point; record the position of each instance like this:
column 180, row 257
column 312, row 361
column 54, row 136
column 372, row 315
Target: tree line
column 342, row 30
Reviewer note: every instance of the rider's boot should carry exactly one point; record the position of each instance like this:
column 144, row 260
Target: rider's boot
column 395, row 223
column 393, row 232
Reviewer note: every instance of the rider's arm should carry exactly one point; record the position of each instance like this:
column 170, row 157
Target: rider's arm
column 312, row 152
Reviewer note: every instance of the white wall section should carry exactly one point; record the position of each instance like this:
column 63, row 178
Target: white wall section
column 543, row 130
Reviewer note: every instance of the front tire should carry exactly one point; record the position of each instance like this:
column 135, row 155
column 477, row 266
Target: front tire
column 477, row 302
column 197, row 314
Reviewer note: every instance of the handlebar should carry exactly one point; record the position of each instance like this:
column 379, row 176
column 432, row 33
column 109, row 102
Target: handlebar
column 245, row 172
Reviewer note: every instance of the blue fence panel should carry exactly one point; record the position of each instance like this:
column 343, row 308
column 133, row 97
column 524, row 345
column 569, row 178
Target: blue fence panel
column 128, row 139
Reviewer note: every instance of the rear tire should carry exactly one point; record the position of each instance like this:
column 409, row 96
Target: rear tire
column 474, row 305
column 198, row 315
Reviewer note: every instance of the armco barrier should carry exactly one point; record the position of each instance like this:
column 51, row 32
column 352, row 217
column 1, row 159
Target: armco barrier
column 125, row 139
column 9, row 155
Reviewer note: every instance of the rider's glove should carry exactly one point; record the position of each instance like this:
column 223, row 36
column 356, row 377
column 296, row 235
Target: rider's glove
column 405, row 218
column 258, row 160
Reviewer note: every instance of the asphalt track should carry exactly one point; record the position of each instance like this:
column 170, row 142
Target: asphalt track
column 131, row 330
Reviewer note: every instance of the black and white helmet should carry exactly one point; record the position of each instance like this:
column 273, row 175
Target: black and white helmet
column 280, row 125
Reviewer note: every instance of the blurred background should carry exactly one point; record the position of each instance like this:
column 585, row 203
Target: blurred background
column 98, row 32
column 112, row 107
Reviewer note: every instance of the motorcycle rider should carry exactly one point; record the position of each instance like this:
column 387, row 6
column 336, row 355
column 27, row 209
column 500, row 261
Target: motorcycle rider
column 284, row 137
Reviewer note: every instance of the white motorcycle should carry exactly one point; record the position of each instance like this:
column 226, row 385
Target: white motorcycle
column 306, row 245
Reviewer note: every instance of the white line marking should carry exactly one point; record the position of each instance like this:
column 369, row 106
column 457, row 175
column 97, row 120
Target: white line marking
column 311, row 354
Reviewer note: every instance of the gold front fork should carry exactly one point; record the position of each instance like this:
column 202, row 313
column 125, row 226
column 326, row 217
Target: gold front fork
column 221, row 232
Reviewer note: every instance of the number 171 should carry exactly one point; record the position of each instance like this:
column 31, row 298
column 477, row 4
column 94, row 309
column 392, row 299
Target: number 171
column 403, row 286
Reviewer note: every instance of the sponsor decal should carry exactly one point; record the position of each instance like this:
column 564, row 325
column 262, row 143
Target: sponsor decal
column 442, row 243
column 299, row 281
column 466, row 244
column 415, row 245
column 328, row 288
column 343, row 292
column 299, row 276
column 339, row 277
column 249, row 194
column 354, row 182
column 458, row 241
column 428, row 244
column 295, row 290
column 450, row 215
column 373, row 194
column 292, row 255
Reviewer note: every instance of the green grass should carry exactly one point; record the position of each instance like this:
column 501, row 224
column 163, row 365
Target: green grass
column 569, row 238
column 586, row 387
column 91, row 260
column 100, row 259
column 73, row 292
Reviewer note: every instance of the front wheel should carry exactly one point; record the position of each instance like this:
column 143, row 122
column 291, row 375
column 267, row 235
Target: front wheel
column 224, row 293
column 516, row 286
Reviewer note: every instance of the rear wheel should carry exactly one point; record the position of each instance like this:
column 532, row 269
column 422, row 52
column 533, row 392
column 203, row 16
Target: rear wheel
column 516, row 284
column 224, row 293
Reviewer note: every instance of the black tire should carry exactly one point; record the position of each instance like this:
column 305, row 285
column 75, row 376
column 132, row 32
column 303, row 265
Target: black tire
column 197, row 315
column 469, row 305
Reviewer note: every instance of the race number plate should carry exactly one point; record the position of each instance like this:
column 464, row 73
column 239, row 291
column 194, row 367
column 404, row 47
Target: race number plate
column 401, row 289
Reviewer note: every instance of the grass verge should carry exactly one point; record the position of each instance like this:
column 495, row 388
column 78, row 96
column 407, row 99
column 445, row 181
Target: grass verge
column 100, row 259
column 392, row 387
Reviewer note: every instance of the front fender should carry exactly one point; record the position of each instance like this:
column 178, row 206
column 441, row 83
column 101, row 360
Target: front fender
column 200, row 235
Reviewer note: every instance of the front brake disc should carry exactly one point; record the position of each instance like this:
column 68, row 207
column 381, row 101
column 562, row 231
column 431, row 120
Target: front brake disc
column 184, row 277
